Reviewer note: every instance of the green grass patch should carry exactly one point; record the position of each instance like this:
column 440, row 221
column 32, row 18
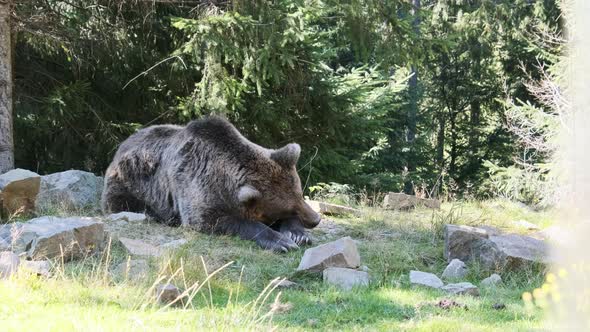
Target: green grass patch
column 84, row 295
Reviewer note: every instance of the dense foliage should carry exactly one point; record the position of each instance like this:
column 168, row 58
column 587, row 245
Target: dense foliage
column 382, row 95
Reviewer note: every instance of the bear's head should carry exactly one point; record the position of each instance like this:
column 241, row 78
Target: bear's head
column 275, row 192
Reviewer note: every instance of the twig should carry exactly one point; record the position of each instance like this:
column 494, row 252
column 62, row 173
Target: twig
column 154, row 66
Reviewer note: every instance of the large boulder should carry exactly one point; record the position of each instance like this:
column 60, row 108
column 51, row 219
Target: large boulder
column 468, row 243
column 345, row 278
column 50, row 237
column 520, row 250
column 72, row 190
column 493, row 252
column 399, row 201
column 18, row 191
column 339, row 253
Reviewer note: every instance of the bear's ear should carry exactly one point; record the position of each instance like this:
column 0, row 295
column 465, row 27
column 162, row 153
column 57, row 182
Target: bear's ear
column 247, row 194
column 287, row 156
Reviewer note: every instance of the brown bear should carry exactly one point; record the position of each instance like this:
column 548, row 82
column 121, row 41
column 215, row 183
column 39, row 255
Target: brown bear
column 208, row 176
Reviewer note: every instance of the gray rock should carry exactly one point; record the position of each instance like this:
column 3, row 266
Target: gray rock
column 456, row 269
column 18, row 191
column 4, row 245
column 133, row 269
column 332, row 209
column 472, row 244
column 49, row 237
column 419, row 278
column 339, row 253
column 140, row 248
column 284, row 284
column 128, row 217
column 461, row 288
column 490, row 230
column 399, row 201
column 345, row 278
column 9, row 263
column 40, row 268
column 520, row 250
column 167, row 293
column 491, row 281
column 72, row 190
column 172, row 245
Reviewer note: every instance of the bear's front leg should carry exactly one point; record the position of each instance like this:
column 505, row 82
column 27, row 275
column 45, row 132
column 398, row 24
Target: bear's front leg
column 293, row 228
column 256, row 231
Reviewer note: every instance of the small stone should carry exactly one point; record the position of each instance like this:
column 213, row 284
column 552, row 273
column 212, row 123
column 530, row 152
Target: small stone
column 9, row 263
column 133, row 269
column 127, row 216
column 172, row 245
column 456, row 269
column 339, row 253
column 345, row 278
column 284, row 283
column 139, row 247
column 461, row 288
column 364, row 268
column 332, row 209
column 167, row 293
column 40, row 268
column 491, row 281
column 498, row 306
column 419, row 278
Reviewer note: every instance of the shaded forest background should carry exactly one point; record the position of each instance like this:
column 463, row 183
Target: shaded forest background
column 442, row 98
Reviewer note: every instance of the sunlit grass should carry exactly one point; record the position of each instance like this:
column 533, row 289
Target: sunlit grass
column 84, row 295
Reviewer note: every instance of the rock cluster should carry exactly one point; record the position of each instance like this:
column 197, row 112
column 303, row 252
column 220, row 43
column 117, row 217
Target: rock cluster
column 338, row 261
column 455, row 270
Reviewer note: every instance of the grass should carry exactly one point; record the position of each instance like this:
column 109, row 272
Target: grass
column 84, row 295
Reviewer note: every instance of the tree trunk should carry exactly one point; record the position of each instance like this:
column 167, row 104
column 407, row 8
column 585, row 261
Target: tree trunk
column 6, row 138
column 413, row 105
column 440, row 142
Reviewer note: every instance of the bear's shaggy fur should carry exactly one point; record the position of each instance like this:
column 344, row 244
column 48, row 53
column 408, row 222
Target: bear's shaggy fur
column 208, row 176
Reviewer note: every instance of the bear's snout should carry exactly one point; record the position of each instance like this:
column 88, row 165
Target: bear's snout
column 309, row 217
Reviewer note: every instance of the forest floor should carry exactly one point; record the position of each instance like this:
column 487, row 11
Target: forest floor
column 85, row 295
